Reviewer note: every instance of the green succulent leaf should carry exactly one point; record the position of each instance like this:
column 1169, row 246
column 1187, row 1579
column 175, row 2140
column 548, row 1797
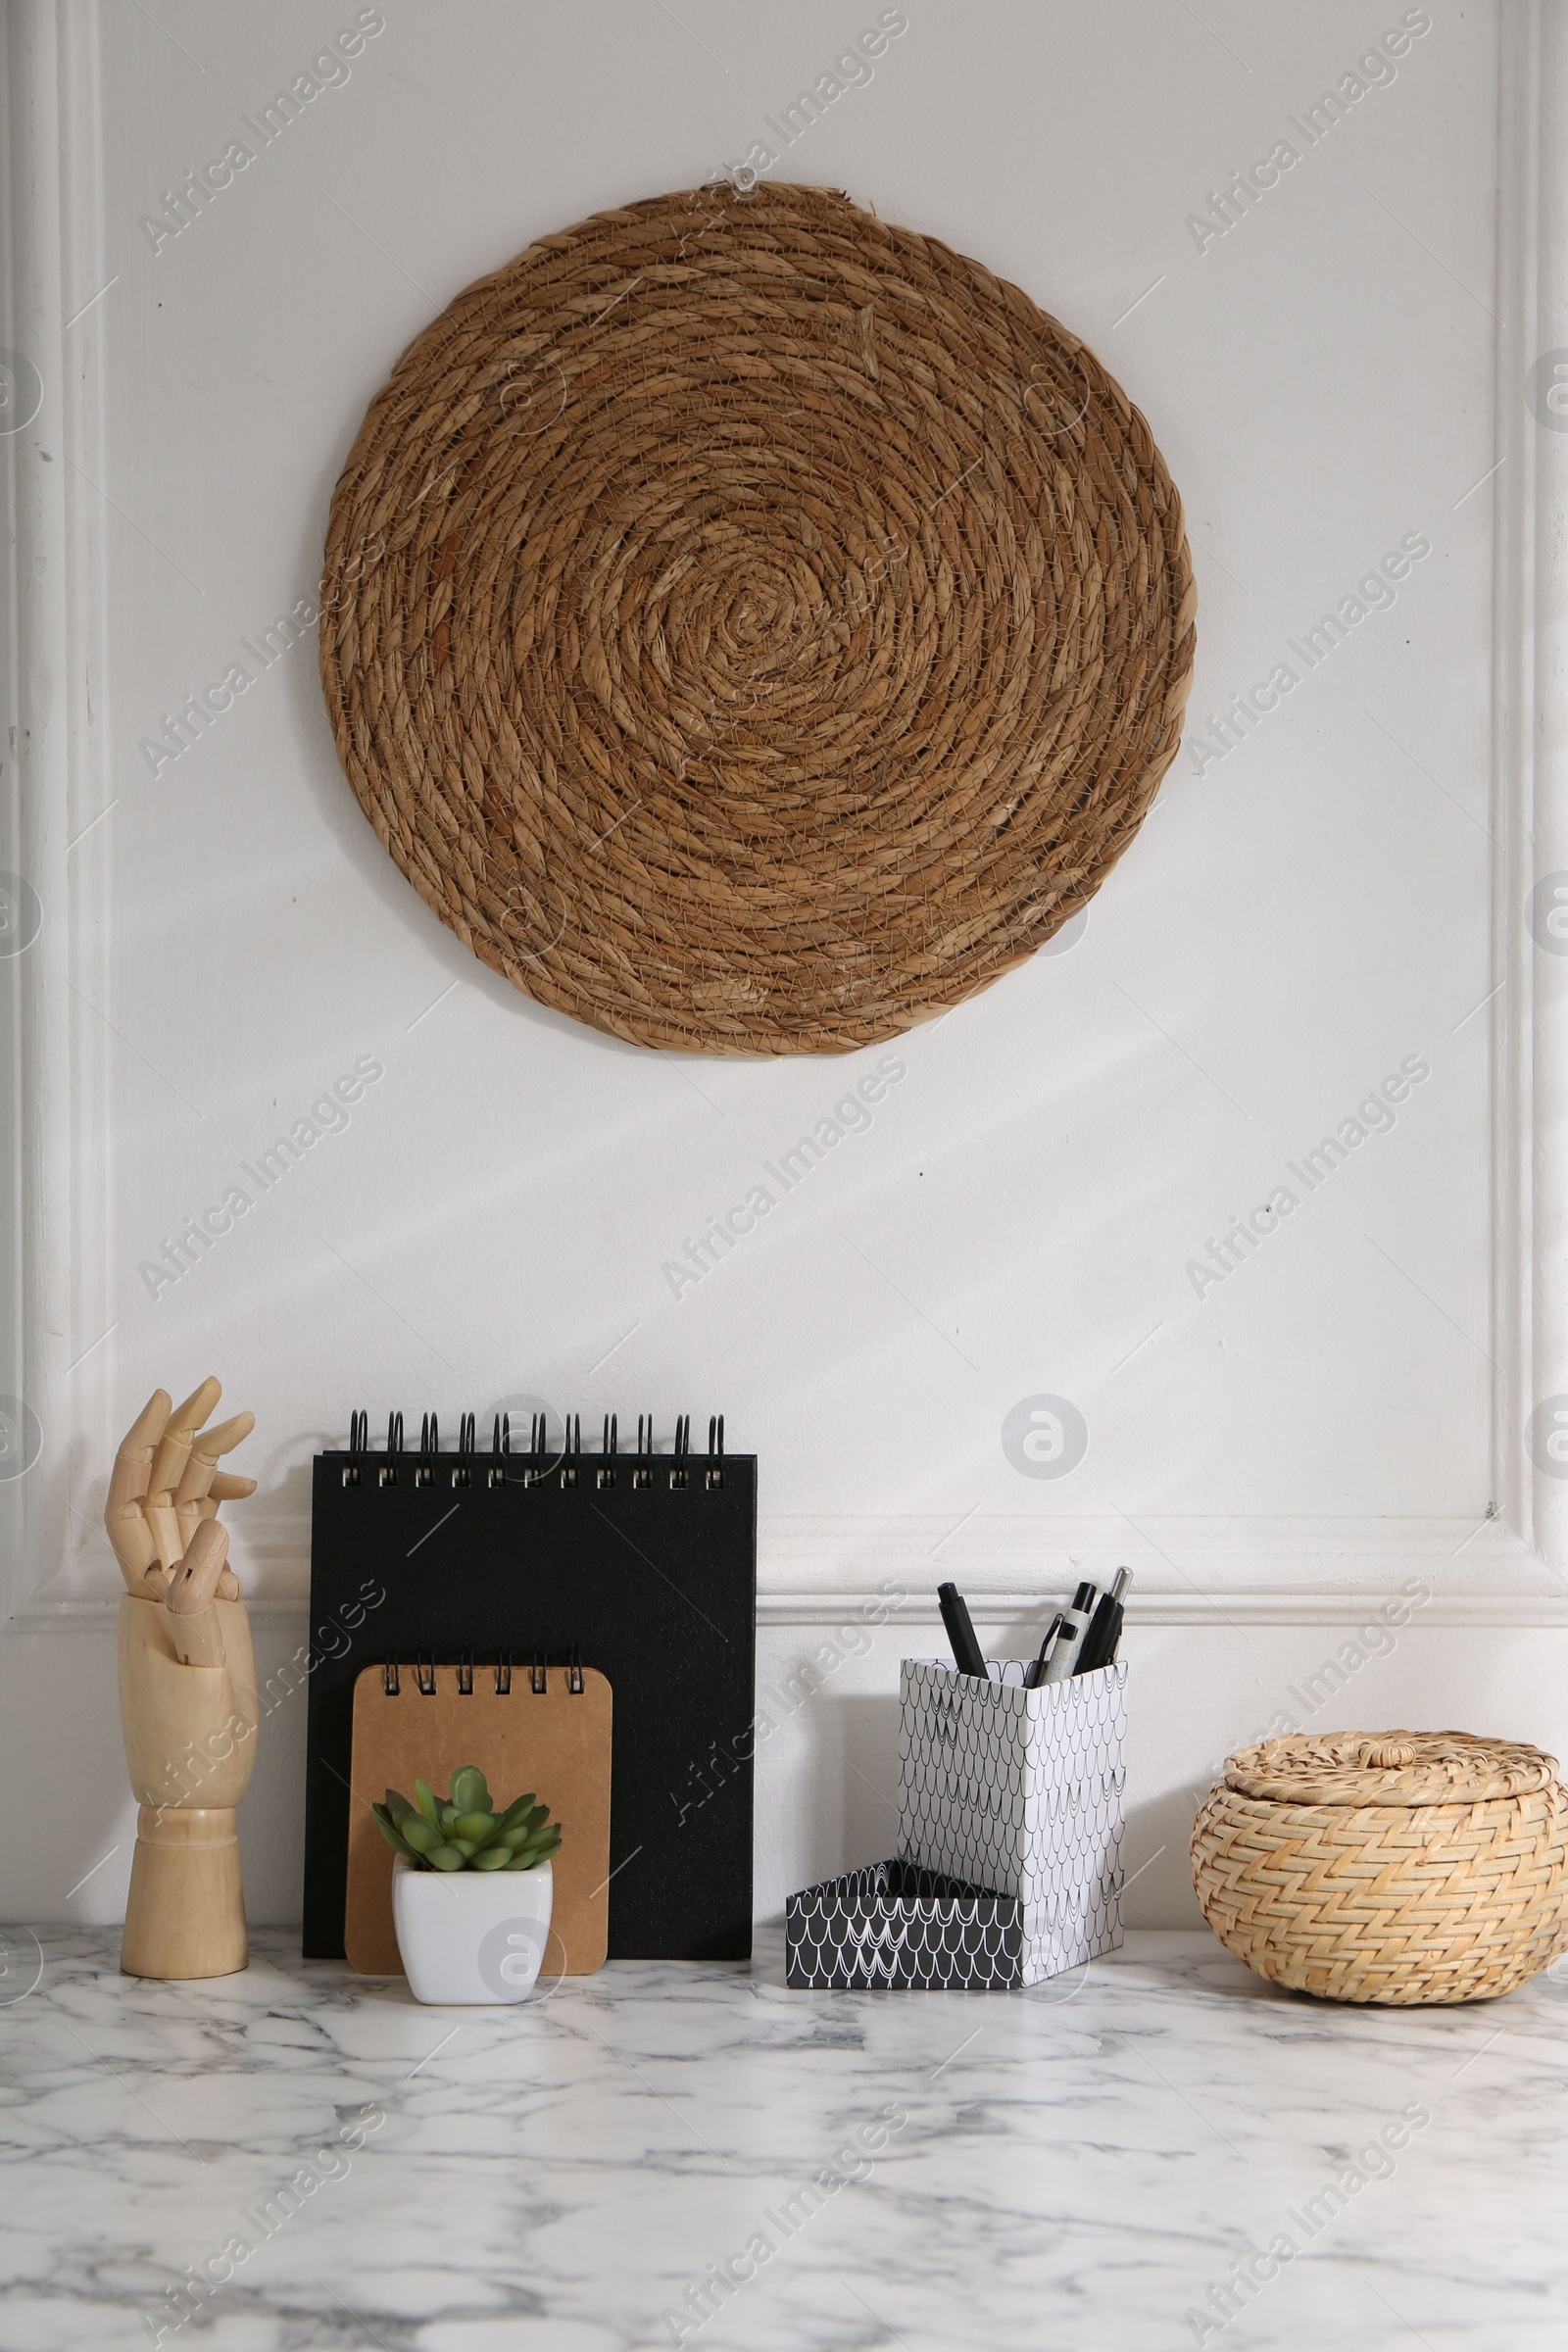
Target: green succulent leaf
column 467, row 1831
column 537, row 1849
column 467, row 1789
column 384, row 1823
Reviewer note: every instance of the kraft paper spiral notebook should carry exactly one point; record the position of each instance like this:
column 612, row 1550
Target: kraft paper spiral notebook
column 549, row 1731
column 639, row 1563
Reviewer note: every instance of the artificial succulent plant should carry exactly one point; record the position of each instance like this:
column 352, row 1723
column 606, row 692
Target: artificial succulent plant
column 466, row 1831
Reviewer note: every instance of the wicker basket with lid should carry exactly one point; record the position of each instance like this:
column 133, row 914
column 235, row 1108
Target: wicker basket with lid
column 1402, row 1866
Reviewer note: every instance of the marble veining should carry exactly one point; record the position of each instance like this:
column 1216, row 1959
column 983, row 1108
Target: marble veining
column 1081, row 2166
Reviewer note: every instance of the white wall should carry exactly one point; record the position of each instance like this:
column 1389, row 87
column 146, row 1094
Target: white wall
column 1333, row 899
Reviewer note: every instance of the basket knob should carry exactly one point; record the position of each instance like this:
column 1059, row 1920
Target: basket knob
column 1386, row 1756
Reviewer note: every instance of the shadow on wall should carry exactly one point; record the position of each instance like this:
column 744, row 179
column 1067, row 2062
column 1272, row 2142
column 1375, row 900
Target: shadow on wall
column 850, row 1788
column 851, row 1778
column 1157, row 1875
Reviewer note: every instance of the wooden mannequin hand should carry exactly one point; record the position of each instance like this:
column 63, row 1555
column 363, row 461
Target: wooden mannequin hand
column 189, row 1737
column 188, row 1687
column 166, row 1485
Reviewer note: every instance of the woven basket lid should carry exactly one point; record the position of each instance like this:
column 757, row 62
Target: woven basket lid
column 1387, row 1768
column 752, row 627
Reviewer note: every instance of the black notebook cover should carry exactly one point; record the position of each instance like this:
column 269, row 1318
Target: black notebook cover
column 641, row 1564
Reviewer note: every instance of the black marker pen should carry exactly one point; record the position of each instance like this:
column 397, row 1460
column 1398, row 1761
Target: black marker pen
column 966, row 1650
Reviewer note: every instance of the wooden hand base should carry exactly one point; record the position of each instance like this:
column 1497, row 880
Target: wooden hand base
column 187, row 1706
column 185, row 1913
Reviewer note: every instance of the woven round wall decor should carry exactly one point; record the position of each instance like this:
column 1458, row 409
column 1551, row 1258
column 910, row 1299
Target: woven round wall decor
column 751, row 627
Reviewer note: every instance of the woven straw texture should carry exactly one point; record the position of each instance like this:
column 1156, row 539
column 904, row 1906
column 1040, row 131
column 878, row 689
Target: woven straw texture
column 1406, row 1867
column 751, row 626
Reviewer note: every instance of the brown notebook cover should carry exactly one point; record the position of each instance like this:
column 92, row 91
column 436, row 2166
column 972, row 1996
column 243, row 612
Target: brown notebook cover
column 554, row 1742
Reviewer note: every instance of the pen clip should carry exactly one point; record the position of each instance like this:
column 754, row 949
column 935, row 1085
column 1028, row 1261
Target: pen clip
column 1034, row 1671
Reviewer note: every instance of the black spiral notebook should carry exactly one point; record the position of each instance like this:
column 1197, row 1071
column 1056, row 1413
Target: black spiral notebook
column 638, row 1562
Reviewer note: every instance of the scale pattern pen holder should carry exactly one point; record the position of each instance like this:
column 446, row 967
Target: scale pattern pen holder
column 1021, row 1792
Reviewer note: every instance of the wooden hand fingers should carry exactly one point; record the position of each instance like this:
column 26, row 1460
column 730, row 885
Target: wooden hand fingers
column 202, row 1468
column 168, row 1469
column 173, row 1446
column 139, row 1444
column 227, row 1487
column 193, row 1584
column 135, row 1547
column 166, row 1488
column 204, row 1486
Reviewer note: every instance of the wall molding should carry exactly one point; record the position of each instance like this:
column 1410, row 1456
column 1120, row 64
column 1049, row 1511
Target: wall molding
column 1530, row 632
column 826, row 1612
column 824, row 1572
column 57, row 1069
column 60, row 1098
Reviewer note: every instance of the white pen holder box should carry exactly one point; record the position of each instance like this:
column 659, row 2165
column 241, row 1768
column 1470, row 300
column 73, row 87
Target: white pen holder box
column 1021, row 1791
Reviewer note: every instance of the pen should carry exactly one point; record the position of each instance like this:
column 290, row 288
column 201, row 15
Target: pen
column 961, row 1633
column 1099, row 1644
column 1074, row 1620
column 1035, row 1671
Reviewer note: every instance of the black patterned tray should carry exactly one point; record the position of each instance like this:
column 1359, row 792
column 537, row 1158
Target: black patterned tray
column 894, row 1925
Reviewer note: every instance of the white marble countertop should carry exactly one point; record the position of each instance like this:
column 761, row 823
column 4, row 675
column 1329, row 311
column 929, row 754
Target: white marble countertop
column 1074, row 2167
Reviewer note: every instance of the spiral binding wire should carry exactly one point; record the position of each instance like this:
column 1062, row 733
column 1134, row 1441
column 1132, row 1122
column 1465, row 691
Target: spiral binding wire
column 429, row 1447
column 500, row 1448
column 423, row 1670
column 358, row 1443
column 536, row 1461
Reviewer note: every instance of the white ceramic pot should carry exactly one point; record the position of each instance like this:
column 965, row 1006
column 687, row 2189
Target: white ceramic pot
column 471, row 1937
